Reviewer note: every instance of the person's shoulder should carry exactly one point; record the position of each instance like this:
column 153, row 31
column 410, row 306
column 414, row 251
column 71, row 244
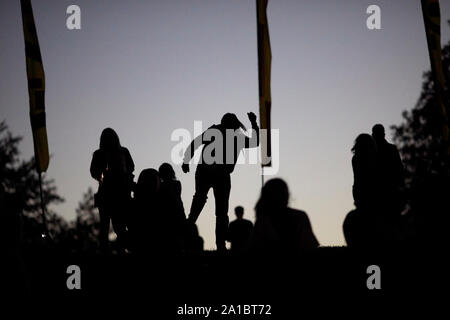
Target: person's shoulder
column 97, row 153
column 248, row 223
column 175, row 185
column 392, row 147
column 124, row 149
column 215, row 126
column 297, row 214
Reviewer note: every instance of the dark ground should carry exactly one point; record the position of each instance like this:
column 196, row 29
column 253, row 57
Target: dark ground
column 318, row 280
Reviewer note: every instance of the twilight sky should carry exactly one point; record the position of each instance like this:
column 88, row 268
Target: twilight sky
column 147, row 68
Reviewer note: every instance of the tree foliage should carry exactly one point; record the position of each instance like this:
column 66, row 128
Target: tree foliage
column 20, row 192
column 425, row 156
column 419, row 137
column 87, row 224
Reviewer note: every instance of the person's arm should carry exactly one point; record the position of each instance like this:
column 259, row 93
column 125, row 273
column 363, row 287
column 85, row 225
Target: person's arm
column 97, row 166
column 178, row 187
column 189, row 153
column 129, row 161
column 253, row 140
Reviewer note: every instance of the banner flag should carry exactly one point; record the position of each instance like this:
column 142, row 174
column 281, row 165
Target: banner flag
column 264, row 68
column 36, row 86
column 432, row 20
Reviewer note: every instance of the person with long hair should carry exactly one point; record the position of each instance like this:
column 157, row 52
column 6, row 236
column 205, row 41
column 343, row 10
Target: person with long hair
column 112, row 166
column 279, row 228
column 365, row 172
column 172, row 207
column 145, row 226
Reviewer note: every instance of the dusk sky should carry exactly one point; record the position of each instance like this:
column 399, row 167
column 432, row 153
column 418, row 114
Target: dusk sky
column 147, row 68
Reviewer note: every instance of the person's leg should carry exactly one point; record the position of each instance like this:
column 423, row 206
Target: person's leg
column 202, row 186
column 119, row 209
column 222, row 187
column 104, row 228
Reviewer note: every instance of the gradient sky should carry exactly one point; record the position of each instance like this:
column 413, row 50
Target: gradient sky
column 146, row 68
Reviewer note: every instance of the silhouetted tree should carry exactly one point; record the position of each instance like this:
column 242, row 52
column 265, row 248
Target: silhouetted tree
column 426, row 161
column 419, row 137
column 20, row 193
column 87, row 224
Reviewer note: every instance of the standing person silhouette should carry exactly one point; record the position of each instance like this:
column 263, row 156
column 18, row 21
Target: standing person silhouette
column 390, row 170
column 222, row 145
column 239, row 230
column 112, row 166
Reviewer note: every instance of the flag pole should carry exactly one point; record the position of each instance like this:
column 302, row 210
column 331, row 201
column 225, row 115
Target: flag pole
column 44, row 219
column 36, row 93
column 262, row 177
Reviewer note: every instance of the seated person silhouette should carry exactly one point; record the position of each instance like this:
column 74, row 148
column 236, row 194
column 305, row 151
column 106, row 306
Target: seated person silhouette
column 280, row 229
column 239, row 230
column 146, row 229
column 172, row 208
column 112, row 166
column 218, row 159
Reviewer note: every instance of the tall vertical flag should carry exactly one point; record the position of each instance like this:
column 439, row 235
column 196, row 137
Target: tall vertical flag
column 36, row 86
column 264, row 67
column 432, row 20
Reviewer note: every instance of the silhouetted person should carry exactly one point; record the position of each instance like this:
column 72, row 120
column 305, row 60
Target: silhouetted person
column 365, row 172
column 390, row 170
column 112, row 166
column 367, row 225
column 239, row 230
column 146, row 228
column 222, row 146
column 172, row 206
column 278, row 228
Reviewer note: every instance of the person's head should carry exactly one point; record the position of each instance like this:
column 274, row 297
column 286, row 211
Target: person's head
column 364, row 145
column 230, row 121
column 239, row 212
column 166, row 172
column 274, row 198
column 109, row 140
column 148, row 183
column 378, row 132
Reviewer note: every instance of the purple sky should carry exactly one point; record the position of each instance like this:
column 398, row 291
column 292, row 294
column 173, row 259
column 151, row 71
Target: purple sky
column 147, row 68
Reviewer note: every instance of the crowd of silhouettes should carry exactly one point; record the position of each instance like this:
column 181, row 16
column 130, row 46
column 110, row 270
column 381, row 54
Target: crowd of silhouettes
column 149, row 215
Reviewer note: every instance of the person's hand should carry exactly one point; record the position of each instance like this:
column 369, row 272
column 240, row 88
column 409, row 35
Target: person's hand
column 251, row 117
column 185, row 167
